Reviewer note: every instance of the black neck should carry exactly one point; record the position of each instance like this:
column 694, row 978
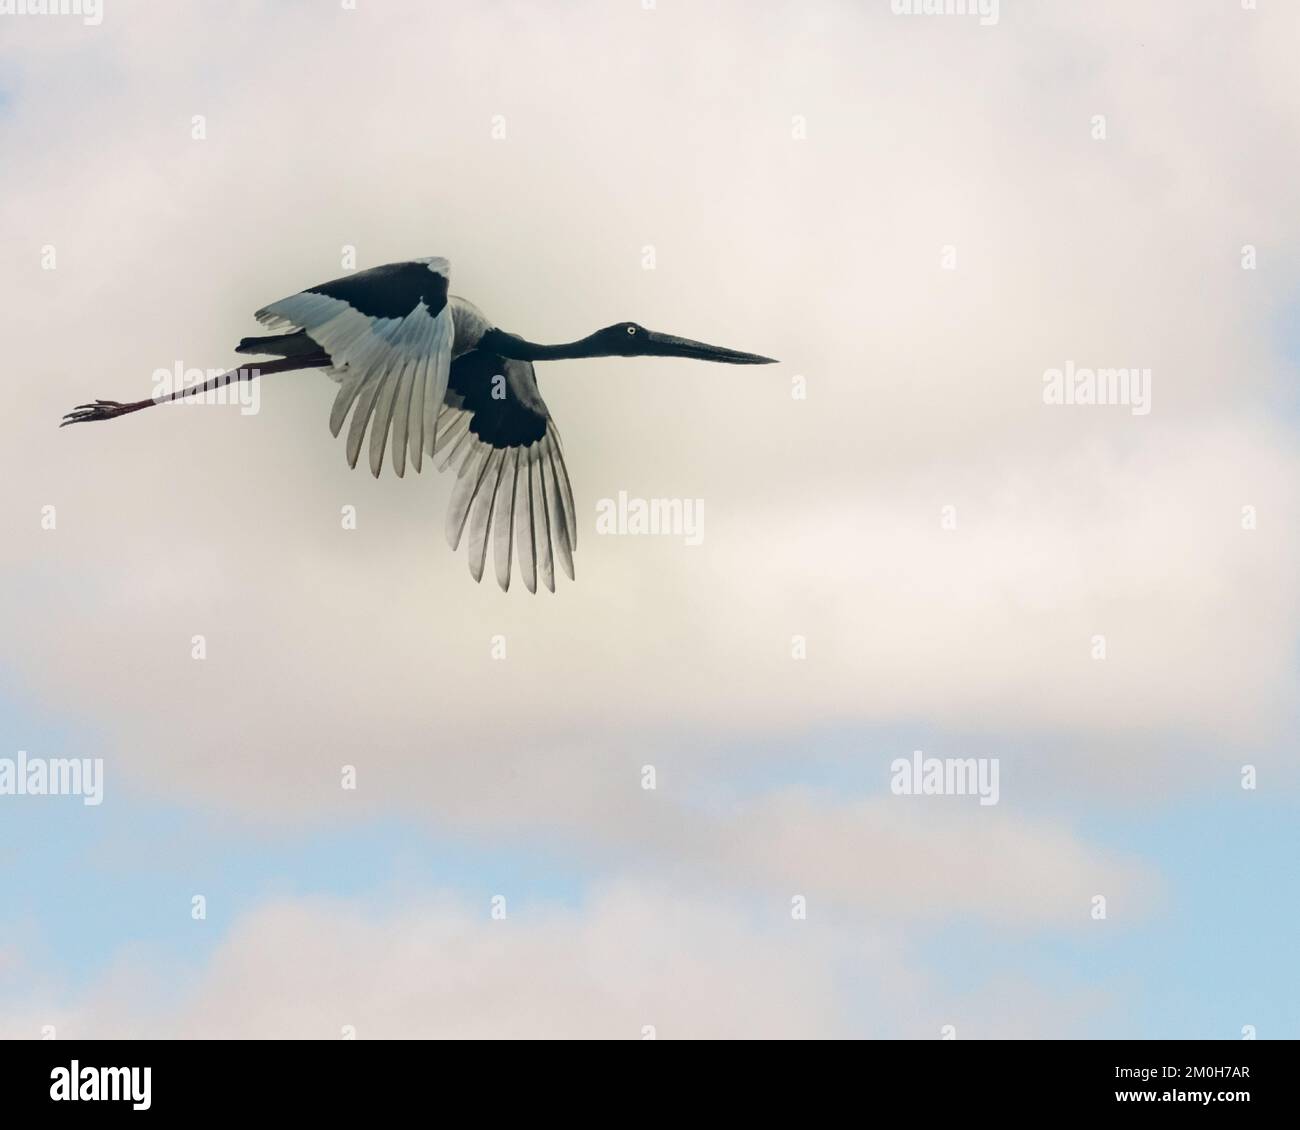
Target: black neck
column 519, row 349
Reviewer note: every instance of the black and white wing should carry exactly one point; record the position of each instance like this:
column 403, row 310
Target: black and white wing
column 388, row 332
column 512, row 487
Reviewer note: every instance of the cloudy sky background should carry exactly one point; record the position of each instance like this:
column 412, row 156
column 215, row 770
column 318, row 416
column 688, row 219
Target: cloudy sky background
column 521, row 777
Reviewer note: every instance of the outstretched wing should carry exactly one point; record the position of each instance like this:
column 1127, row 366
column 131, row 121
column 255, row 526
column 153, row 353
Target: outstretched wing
column 388, row 333
column 512, row 486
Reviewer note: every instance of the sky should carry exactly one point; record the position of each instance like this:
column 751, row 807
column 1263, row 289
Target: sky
column 349, row 792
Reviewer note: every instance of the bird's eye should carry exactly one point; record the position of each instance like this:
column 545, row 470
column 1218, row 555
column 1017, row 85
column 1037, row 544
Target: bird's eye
column 631, row 329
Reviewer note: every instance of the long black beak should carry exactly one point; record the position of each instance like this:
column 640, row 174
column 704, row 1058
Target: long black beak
column 667, row 345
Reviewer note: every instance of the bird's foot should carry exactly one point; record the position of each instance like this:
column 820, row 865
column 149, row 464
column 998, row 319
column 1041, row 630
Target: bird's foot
column 100, row 410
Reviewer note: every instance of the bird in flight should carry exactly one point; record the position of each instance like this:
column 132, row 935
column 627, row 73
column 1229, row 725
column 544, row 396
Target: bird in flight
column 430, row 371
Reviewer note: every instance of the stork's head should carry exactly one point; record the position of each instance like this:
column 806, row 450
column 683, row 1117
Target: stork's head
column 628, row 339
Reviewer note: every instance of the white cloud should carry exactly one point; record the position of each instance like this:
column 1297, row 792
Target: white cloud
column 633, row 957
column 921, row 858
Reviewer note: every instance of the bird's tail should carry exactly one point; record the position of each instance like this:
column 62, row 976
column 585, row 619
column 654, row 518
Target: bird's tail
column 296, row 344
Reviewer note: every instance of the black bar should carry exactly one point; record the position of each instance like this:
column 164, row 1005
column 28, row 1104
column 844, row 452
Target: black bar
column 341, row 1078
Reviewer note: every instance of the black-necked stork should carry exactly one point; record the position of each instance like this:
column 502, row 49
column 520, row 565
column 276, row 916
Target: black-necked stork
column 430, row 369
